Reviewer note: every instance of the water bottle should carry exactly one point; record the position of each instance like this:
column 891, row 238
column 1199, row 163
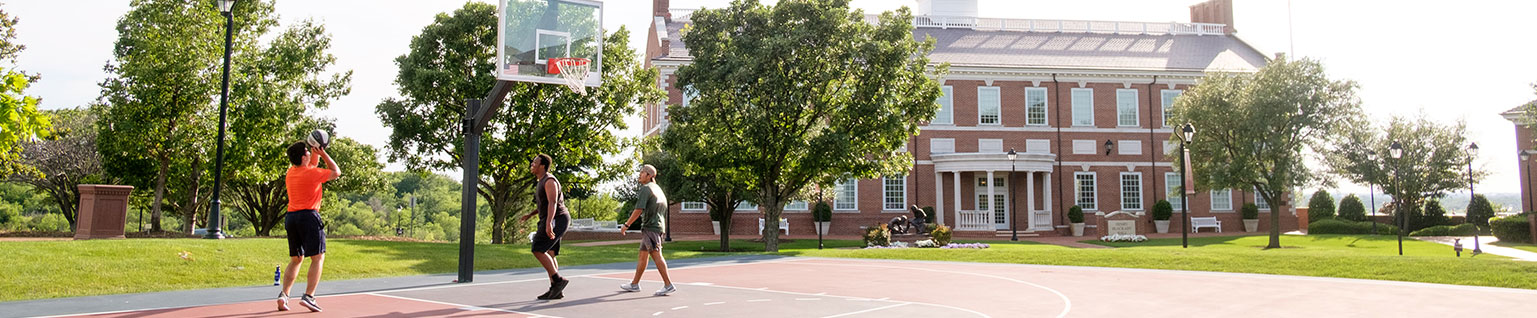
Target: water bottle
column 276, row 273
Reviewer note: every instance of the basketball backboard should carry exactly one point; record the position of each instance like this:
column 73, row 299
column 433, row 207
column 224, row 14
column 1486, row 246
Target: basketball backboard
column 530, row 32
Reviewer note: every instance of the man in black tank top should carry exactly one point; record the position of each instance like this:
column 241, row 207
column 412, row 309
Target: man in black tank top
column 550, row 206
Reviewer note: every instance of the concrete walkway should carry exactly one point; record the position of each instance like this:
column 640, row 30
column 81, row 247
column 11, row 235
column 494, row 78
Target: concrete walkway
column 1484, row 244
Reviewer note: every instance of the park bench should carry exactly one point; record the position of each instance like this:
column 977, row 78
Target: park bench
column 783, row 225
column 1197, row 223
column 584, row 225
column 608, row 226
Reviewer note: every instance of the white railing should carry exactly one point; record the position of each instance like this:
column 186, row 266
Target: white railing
column 1040, row 220
column 974, row 221
column 1039, row 25
column 1042, row 25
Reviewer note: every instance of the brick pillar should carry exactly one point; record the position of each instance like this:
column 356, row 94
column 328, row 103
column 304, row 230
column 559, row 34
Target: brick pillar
column 103, row 211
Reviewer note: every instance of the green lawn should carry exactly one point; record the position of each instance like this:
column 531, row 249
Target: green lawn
column 1368, row 257
column 50, row 269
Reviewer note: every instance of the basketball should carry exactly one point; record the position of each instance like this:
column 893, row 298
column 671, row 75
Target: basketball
column 318, row 139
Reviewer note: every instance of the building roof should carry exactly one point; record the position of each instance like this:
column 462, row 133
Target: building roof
column 1515, row 114
column 1069, row 49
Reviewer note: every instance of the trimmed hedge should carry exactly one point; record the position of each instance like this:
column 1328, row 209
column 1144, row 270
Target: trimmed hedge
column 1514, row 229
column 1337, row 226
column 1351, row 209
column 1320, row 206
column 822, row 212
column 1075, row 214
column 1163, row 210
column 1464, row 229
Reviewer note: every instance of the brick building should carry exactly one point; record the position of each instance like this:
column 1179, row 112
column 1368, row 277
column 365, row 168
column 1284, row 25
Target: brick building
column 1524, row 137
column 1082, row 102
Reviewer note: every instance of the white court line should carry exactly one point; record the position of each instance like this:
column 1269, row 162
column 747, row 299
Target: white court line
column 1067, row 303
column 714, row 303
column 808, row 299
column 824, row 294
column 758, row 300
column 656, row 313
column 454, row 285
column 679, row 307
column 867, row 310
column 461, row 305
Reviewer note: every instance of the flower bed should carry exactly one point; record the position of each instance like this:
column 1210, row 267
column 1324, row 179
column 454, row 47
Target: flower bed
column 1123, row 238
column 965, row 245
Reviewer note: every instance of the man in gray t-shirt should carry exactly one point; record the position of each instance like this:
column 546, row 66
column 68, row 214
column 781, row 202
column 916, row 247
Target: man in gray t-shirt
column 650, row 207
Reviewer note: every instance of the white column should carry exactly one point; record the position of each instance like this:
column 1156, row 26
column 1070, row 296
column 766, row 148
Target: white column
column 1030, row 198
column 957, row 196
column 991, row 208
column 939, row 196
column 1046, row 192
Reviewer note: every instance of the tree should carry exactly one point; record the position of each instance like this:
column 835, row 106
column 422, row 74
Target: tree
column 63, row 160
column 1351, row 209
column 709, row 181
column 1252, row 128
column 1433, row 215
column 802, row 92
column 1432, row 161
column 19, row 119
column 1321, row 206
column 277, row 87
column 157, row 128
column 1479, row 212
column 453, row 59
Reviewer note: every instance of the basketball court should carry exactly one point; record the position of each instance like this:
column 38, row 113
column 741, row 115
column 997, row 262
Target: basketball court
column 759, row 286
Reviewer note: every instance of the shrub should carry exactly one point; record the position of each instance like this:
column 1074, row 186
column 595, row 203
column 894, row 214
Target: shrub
column 1337, row 226
column 1250, row 211
column 877, row 236
column 1162, row 210
column 928, row 213
column 1479, row 211
column 1433, row 215
column 1512, row 229
column 9, row 213
column 1465, row 229
column 1075, row 214
column 1351, row 209
column 1321, row 206
column 822, row 212
column 941, row 235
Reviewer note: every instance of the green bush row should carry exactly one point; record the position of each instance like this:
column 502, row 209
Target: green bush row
column 1512, row 228
column 1465, row 229
column 1337, row 226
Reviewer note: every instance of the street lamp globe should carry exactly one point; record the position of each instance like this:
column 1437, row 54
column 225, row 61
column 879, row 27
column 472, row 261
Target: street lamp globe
column 1525, row 155
column 1188, row 131
column 1396, row 150
column 1473, row 149
column 225, row 5
column 1012, row 154
column 1109, row 146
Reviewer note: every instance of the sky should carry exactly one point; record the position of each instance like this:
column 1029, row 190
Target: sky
column 1446, row 60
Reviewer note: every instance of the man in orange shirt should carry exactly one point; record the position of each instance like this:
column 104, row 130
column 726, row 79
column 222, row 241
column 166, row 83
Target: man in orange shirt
column 306, row 234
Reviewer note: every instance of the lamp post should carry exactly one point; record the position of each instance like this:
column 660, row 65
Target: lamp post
column 1371, row 193
column 215, row 224
column 1397, row 151
column 1530, row 218
column 1013, row 215
column 1187, row 134
column 1109, row 146
column 1472, row 153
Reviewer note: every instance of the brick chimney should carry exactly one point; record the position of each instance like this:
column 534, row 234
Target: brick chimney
column 661, row 8
column 1211, row 11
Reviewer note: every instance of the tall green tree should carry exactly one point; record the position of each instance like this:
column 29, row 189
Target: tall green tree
column 1320, row 206
column 1351, row 209
column 20, row 120
column 161, row 96
column 454, row 59
column 710, row 182
column 64, row 159
column 1479, row 212
column 1432, row 161
column 801, row 92
column 1252, row 128
column 276, row 87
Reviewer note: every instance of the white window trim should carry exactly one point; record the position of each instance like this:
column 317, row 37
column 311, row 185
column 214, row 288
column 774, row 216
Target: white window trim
column 1045, row 106
column 933, row 149
column 1258, row 199
column 855, row 182
column 899, row 209
column 1135, row 108
column 1169, row 192
column 1072, row 105
column 1121, row 184
column 1126, row 147
column 754, row 208
column 1077, row 191
column 1168, row 106
column 792, row 210
column 1229, row 208
column 996, row 92
column 981, row 142
column 703, row 206
column 949, row 96
column 1078, row 146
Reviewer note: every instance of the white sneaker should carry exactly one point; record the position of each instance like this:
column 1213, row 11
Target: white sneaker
column 629, row 287
column 282, row 302
column 665, row 290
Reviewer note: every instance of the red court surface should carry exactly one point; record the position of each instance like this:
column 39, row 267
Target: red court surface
column 819, row 287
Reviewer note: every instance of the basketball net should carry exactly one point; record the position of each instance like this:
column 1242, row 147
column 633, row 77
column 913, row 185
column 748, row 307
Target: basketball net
column 574, row 70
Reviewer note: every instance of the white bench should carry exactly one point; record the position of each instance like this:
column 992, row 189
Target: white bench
column 608, row 226
column 1197, row 223
column 783, row 225
column 584, row 224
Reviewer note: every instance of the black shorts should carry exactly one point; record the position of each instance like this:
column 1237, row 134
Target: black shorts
column 543, row 242
column 306, row 234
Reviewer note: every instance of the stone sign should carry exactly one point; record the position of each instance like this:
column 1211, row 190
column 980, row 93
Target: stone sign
column 1122, row 227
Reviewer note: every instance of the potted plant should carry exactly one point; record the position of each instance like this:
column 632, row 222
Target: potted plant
column 822, row 214
column 1075, row 215
column 1162, row 211
column 715, row 216
column 1250, row 217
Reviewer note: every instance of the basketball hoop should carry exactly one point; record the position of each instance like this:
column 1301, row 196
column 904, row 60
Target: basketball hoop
column 574, row 70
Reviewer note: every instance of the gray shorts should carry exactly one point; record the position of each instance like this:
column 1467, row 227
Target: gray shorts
column 650, row 240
